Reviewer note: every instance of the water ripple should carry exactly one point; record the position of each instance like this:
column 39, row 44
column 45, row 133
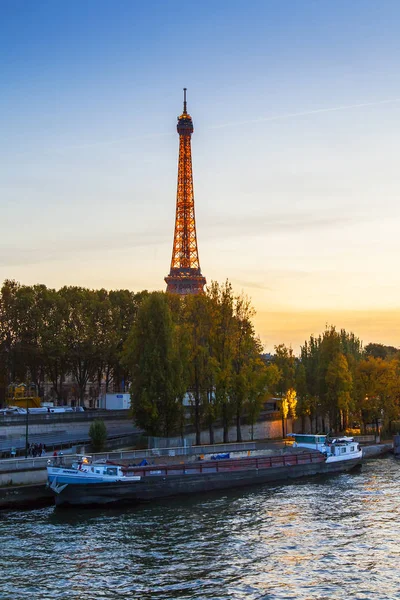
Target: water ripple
column 335, row 538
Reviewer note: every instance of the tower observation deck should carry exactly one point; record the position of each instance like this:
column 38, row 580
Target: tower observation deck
column 185, row 275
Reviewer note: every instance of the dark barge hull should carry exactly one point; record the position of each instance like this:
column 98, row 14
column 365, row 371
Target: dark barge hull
column 152, row 487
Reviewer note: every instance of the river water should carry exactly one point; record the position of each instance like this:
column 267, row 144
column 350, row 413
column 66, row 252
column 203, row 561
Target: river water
column 335, row 538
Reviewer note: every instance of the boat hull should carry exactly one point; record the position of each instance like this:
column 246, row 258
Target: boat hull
column 154, row 487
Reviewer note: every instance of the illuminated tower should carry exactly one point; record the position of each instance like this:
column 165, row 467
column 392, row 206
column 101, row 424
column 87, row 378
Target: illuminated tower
column 185, row 275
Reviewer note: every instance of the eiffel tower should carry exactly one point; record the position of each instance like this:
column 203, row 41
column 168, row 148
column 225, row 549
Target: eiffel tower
column 185, row 275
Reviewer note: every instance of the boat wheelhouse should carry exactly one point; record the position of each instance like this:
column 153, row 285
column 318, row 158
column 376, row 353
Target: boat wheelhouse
column 313, row 442
column 344, row 448
column 335, row 449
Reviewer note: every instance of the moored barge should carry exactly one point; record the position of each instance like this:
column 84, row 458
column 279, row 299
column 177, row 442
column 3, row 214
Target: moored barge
column 87, row 483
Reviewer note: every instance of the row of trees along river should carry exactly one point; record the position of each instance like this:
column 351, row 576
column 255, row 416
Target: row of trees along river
column 166, row 345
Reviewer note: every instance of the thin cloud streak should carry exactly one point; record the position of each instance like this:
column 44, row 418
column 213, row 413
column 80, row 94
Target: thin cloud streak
column 115, row 142
column 306, row 113
column 50, row 251
column 84, row 248
column 90, row 145
column 244, row 225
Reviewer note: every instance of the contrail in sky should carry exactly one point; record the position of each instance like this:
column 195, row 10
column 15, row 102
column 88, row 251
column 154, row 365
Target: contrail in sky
column 305, row 113
column 238, row 123
column 117, row 141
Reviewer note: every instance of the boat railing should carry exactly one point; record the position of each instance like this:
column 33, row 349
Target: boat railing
column 20, row 463
column 176, row 451
column 218, row 466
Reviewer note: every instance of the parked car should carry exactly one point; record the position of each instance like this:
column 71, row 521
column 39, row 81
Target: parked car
column 14, row 410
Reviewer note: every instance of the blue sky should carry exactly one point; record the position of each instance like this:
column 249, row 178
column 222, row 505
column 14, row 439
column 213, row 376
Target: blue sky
column 296, row 108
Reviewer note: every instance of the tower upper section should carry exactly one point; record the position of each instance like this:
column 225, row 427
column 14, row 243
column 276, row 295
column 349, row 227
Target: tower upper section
column 185, row 123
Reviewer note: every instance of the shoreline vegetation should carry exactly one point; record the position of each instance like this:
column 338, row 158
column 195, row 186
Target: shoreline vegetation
column 203, row 348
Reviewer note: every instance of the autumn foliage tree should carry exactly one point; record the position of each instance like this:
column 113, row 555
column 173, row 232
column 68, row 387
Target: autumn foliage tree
column 377, row 388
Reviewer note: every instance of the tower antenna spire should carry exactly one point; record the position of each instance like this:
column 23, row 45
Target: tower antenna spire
column 184, row 101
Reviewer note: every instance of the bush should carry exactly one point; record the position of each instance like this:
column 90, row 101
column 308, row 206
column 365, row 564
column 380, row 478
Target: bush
column 98, row 435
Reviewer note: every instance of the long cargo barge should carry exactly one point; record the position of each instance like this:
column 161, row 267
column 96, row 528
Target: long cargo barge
column 89, row 484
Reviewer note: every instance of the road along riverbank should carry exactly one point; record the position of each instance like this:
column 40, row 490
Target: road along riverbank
column 26, row 488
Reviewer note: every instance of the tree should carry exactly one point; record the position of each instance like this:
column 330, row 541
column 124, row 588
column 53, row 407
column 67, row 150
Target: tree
column 124, row 306
column 158, row 363
column 198, row 327
column 98, row 435
column 303, row 398
column 288, row 408
column 380, row 351
column 310, row 392
column 223, row 326
column 54, row 341
column 291, row 397
column 82, row 331
column 377, row 387
column 317, row 356
column 285, row 360
column 246, row 360
column 284, row 413
column 261, row 378
column 339, row 386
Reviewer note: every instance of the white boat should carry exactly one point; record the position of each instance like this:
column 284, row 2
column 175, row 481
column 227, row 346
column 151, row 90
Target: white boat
column 84, row 471
column 335, row 449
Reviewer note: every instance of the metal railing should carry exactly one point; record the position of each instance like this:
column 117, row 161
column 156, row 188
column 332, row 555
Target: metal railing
column 226, row 465
column 365, row 439
column 17, row 464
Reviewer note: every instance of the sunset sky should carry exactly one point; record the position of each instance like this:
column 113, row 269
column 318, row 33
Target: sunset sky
column 296, row 110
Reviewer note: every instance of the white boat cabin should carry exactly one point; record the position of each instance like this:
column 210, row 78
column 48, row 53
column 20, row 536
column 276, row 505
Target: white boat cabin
column 343, row 448
column 105, row 470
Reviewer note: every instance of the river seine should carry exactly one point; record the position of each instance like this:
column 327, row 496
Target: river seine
column 335, row 538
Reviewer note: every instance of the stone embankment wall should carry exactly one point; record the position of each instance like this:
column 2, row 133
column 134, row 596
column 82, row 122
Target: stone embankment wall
column 376, row 450
column 25, row 496
column 52, row 423
column 55, row 428
column 261, row 431
column 21, row 477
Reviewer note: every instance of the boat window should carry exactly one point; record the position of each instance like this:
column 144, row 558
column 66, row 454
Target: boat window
column 343, row 450
column 352, row 449
column 111, row 471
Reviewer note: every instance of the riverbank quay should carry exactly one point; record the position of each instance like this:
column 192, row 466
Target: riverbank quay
column 23, row 481
column 57, row 430
column 377, row 450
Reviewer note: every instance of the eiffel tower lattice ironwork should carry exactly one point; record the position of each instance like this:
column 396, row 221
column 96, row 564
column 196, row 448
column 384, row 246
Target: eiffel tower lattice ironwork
column 185, row 275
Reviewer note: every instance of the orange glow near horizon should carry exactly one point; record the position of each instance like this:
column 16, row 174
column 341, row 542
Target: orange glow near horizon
column 294, row 327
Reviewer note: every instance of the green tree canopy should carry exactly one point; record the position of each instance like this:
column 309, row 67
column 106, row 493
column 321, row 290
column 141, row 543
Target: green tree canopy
column 158, row 364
